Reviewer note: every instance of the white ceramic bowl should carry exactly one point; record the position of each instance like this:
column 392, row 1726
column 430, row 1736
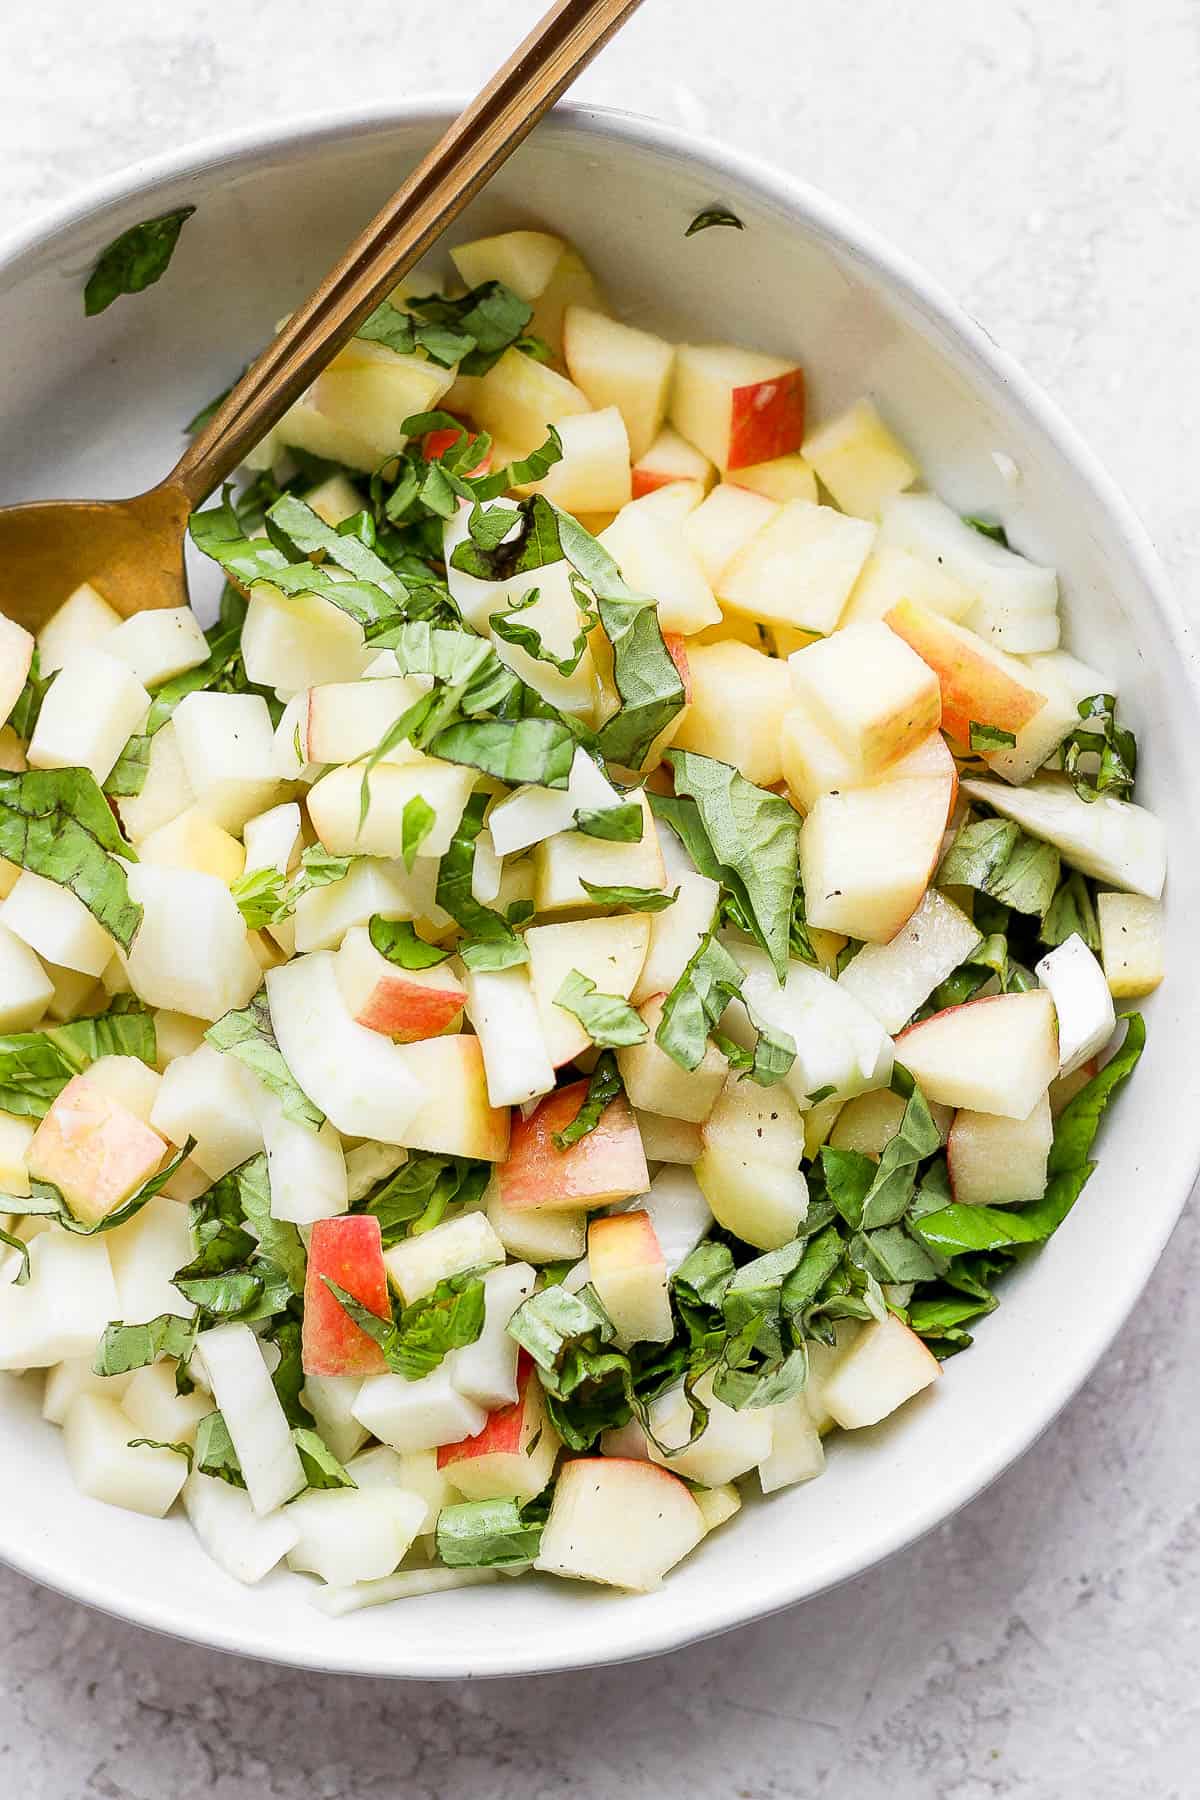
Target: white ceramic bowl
column 96, row 407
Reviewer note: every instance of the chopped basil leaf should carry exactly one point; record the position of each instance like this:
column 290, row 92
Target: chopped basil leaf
column 1072, row 913
column 247, row 1264
column 128, row 775
column 487, row 1534
column 184, row 1450
column 622, row 824
column 604, row 1086
column 214, row 1453
column 493, row 944
column 416, row 823
column 35, row 1066
column 513, row 750
column 997, row 857
column 125, row 1347
column 265, row 896
column 891, row 1190
column 414, row 1199
column 713, row 215
column 398, row 941
column 48, row 1201
column 608, row 1019
column 634, row 899
column 990, row 737
column 321, row 1467
column 490, row 318
column 58, row 824
column 988, row 528
column 695, row 1004
column 24, row 716
column 250, row 1036
column 414, row 1344
column 552, row 1323
column 506, row 625
column 773, row 1054
column 754, row 836
column 135, row 260
column 1109, row 750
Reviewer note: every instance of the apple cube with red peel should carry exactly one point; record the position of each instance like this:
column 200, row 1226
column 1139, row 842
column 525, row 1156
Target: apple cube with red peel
column 349, row 1251
column 894, row 979
column 737, row 705
column 404, row 1004
column 860, row 461
column 669, row 458
column 605, row 1166
column 1082, row 1001
column 997, row 1055
column 95, row 1151
column 994, row 1161
column 456, row 1117
column 630, row 1276
column 592, row 475
column 655, row 1082
column 16, row 658
column 621, row 1522
column 618, row 365
column 867, row 856
column 1114, row 840
column 515, row 1452
column 732, row 1443
column 980, row 685
column 872, row 693
column 347, row 719
column 750, row 1167
column 608, row 951
column 655, row 558
column 1131, row 944
column 885, row 1366
column 723, row 524
column 783, row 478
column 800, row 568
column 738, row 406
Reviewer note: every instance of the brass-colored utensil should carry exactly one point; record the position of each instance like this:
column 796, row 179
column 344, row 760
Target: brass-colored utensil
column 133, row 549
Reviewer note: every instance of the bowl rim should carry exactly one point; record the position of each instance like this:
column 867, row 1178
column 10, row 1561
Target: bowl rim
column 828, row 218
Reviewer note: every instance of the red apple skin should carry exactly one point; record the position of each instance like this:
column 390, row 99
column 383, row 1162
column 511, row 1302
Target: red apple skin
column 506, row 1428
column 435, row 444
column 407, row 1010
column 766, row 419
column 648, row 481
column 608, row 1164
column 624, row 1241
column 350, row 1251
column 677, row 651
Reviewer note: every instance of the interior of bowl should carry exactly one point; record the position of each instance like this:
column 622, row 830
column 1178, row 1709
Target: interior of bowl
column 96, row 407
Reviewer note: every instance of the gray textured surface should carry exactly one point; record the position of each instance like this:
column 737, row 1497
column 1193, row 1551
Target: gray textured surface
column 1042, row 162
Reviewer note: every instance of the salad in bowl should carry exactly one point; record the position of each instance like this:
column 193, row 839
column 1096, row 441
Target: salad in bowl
column 575, row 987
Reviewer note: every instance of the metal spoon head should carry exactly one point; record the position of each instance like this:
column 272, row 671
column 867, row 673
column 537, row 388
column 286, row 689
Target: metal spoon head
column 131, row 549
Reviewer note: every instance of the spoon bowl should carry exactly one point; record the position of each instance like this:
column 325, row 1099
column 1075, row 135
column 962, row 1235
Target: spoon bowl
column 131, row 549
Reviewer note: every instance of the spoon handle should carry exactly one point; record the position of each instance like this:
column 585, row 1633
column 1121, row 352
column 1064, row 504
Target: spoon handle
column 458, row 166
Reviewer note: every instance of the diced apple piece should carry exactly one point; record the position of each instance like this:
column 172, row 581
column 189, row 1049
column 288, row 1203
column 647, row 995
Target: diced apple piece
column 996, row 1055
column 416, row 1471
column 1114, row 840
column 675, row 933
column 152, row 1403
column 165, row 793
column 840, row 1045
column 404, row 1004
column 227, row 746
column 49, row 919
column 92, row 708
column 561, row 863
column 655, row 558
column 369, row 1164
column 656, row 1083
column 456, row 1118
column 93, row 1150
column 796, row 1451
column 348, row 1535
column 678, row 1212
column 539, row 1237
column 605, row 1166
column 722, row 525
column 669, row 459
column 16, row 1135
column 146, row 1253
column 348, row 1251
column 750, row 1170
column 731, row 1444
column 996, row 1161
column 620, row 1522
column 1017, row 600
column 885, row 1366
column 608, row 951
column 890, row 575
column 369, row 390
column 334, row 804
column 331, row 1399
column 555, row 616
column 502, row 1009
column 530, row 814
column 371, row 885
column 717, row 1505
column 238, row 1540
column 572, row 284
column 630, row 1276
column 783, row 478
column 215, row 1099
column 518, row 398
column 16, row 659
column 63, row 1307
column 193, row 841
column 799, row 568
column 273, row 840
column 158, row 645
column 106, row 1467
column 486, row 1371
column 524, row 261
column 593, row 474
column 236, row 1371
column 13, row 762
column 515, row 1452
column 183, row 906
column 738, row 406
column 1064, row 682
column 1082, row 1002
column 294, row 641
column 619, row 366
column 347, row 719
column 866, row 856
column 77, row 1376
column 25, row 988
column 82, row 622
column 738, row 701
column 868, row 1123
column 358, row 1079
column 894, row 979
column 1131, row 944
column 870, row 691
column 418, row 1415
column 307, row 1168
column 416, row 1264
column 334, row 499
column 980, row 685
column 860, row 461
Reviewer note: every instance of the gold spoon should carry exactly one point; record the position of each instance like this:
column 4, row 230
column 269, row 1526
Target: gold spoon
column 133, row 549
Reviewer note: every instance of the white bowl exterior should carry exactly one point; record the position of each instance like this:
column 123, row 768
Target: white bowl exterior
column 96, row 407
